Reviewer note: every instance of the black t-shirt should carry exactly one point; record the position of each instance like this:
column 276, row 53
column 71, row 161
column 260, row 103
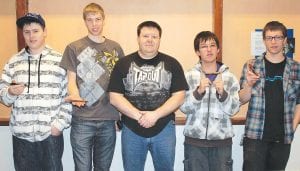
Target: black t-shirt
column 147, row 84
column 274, row 101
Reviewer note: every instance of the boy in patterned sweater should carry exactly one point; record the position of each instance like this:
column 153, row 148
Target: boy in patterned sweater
column 34, row 85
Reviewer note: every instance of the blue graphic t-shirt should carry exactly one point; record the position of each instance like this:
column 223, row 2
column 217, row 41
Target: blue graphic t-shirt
column 147, row 84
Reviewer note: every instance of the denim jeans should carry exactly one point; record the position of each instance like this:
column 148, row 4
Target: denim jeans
column 263, row 156
column 161, row 147
column 207, row 158
column 38, row 156
column 93, row 141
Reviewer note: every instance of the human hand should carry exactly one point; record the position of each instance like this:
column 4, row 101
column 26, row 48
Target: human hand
column 76, row 100
column 16, row 89
column 219, row 85
column 251, row 76
column 55, row 131
column 204, row 82
column 148, row 119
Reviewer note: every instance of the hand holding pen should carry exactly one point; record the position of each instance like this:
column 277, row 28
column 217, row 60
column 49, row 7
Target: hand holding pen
column 219, row 85
column 15, row 88
column 252, row 76
column 204, row 82
column 76, row 100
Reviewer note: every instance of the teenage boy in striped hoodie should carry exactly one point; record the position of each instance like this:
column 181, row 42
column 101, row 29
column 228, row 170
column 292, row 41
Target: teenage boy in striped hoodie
column 34, row 85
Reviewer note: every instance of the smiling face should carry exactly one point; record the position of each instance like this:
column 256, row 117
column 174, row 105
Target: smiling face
column 274, row 42
column 94, row 23
column 34, row 36
column 149, row 41
column 208, row 51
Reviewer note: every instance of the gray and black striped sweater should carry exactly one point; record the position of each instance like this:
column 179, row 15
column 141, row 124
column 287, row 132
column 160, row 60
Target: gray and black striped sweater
column 41, row 105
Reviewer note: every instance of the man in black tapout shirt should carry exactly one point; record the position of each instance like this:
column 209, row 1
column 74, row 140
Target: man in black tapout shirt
column 147, row 86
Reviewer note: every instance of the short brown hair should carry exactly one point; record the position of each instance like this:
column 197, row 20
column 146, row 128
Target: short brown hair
column 275, row 26
column 93, row 8
column 203, row 37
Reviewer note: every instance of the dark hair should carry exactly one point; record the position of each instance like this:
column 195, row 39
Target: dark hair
column 275, row 26
column 203, row 37
column 148, row 24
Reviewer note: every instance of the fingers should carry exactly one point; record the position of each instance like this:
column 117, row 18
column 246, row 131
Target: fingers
column 148, row 119
column 252, row 78
column 78, row 104
column 219, row 85
column 75, row 100
column 16, row 89
column 205, row 82
column 55, row 131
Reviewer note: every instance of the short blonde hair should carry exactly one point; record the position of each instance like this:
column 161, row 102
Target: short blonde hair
column 93, row 8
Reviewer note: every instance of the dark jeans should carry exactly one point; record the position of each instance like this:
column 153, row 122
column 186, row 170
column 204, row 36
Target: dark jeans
column 262, row 156
column 93, row 144
column 38, row 156
column 207, row 158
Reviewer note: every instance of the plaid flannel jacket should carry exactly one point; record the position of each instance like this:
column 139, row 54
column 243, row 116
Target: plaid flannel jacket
column 256, row 109
column 209, row 118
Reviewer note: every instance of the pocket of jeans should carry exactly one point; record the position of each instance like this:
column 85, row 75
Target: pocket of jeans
column 173, row 122
column 186, row 165
column 192, row 164
column 229, row 163
column 119, row 124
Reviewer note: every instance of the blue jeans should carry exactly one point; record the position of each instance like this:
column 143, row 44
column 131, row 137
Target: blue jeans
column 207, row 158
column 161, row 147
column 93, row 141
column 261, row 156
column 38, row 156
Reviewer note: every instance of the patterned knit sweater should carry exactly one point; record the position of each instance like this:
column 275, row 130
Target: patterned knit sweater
column 41, row 105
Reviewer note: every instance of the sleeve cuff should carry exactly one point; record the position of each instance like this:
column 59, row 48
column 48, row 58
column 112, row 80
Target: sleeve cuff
column 10, row 97
column 58, row 125
column 197, row 95
column 223, row 97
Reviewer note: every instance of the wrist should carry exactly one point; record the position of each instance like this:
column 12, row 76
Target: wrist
column 247, row 85
column 200, row 91
column 10, row 94
column 197, row 94
column 138, row 116
column 222, row 97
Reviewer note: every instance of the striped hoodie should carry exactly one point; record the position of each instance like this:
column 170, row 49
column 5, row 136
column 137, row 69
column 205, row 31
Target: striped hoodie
column 41, row 105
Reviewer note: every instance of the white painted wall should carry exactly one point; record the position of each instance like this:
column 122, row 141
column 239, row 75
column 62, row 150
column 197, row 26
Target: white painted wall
column 6, row 156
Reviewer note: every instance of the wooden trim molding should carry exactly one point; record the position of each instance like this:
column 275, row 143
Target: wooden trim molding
column 4, row 120
column 21, row 10
column 218, row 23
column 180, row 120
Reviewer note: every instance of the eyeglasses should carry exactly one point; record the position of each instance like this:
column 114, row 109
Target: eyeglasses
column 276, row 38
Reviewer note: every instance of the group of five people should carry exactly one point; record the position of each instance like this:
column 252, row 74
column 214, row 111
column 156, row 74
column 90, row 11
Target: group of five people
column 92, row 85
